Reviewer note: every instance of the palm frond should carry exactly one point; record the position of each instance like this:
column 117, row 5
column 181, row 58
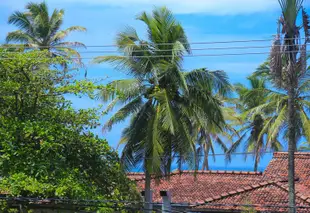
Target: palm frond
column 235, row 146
column 305, row 146
column 126, row 90
column 132, row 107
column 55, row 22
column 290, row 9
column 267, row 124
column 154, row 148
column 134, row 137
column 37, row 8
column 168, row 116
column 136, row 68
column 263, row 71
column 221, row 143
column 111, row 106
column 305, row 124
column 170, row 72
column 70, row 44
column 60, row 35
column 276, row 146
column 21, row 20
column 126, row 40
column 216, row 81
column 212, row 150
column 277, row 124
column 21, row 37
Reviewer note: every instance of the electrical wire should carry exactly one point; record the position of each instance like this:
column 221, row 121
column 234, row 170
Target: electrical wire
column 173, row 205
column 157, row 44
column 171, row 56
column 218, row 154
column 251, row 205
column 192, row 49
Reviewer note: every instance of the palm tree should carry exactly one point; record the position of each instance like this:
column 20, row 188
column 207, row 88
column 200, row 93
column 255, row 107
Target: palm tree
column 252, row 131
column 161, row 100
column 39, row 29
column 277, row 104
column 208, row 137
column 287, row 63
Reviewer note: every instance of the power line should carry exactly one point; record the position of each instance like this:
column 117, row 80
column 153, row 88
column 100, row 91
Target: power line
column 216, row 154
column 146, row 44
column 174, row 205
column 192, row 49
column 167, row 50
column 171, row 56
column 251, row 205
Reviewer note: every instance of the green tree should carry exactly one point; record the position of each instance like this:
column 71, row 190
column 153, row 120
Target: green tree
column 39, row 29
column 256, row 120
column 47, row 148
column 288, row 62
column 161, row 100
column 207, row 138
column 277, row 105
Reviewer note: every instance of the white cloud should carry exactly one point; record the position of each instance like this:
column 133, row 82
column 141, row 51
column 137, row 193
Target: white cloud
column 215, row 7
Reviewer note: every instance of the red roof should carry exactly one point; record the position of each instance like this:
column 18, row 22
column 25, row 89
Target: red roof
column 267, row 196
column 225, row 190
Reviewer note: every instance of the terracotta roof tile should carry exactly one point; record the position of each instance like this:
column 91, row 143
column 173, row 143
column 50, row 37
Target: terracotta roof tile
column 248, row 187
column 255, row 186
column 278, row 166
column 263, row 183
column 240, row 190
column 224, row 194
column 263, row 198
column 188, row 188
column 236, row 187
column 209, row 199
column 217, row 197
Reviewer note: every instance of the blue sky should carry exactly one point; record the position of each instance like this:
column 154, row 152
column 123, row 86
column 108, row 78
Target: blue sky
column 203, row 21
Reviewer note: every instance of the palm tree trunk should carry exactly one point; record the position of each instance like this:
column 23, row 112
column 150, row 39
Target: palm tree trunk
column 291, row 147
column 206, row 149
column 147, row 190
column 205, row 166
column 256, row 162
column 257, row 153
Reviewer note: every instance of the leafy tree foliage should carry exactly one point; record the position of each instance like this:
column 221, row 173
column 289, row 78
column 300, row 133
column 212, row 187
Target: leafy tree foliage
column 47, row 149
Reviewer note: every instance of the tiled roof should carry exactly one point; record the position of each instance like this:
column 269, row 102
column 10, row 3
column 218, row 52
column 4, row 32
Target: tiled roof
column 135, row 175
column 232, row 187
column 266, row 196
column 278, row 166
column 186, row 187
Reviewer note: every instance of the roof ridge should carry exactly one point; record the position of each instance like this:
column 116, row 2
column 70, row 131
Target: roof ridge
column 135, row 173
column 237, row 191
column 217, row 172
column 156, row 176
column 298, row 194
column 177, row 172
column 297, row 154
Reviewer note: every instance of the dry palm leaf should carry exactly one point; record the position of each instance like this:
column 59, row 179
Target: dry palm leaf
column 276, row 60
column 305, row 21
